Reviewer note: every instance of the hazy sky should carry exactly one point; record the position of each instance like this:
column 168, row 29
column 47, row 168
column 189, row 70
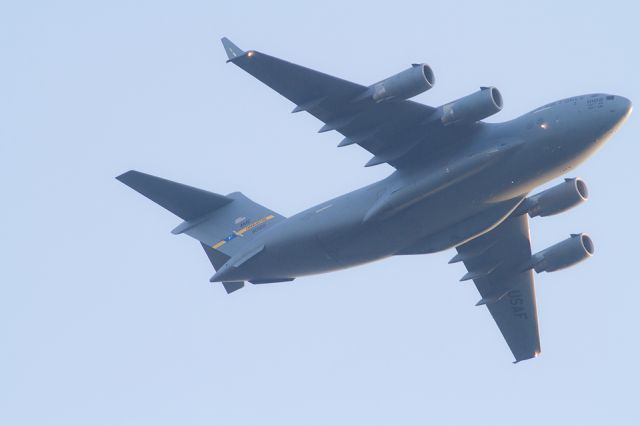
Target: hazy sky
column 108, row 319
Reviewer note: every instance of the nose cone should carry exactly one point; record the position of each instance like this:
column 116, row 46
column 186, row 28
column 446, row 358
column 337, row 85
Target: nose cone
column 615, row 112
column 625, row 107
column 620, row 110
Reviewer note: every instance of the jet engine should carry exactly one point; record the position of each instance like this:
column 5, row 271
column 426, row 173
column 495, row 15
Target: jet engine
column 404, row 85
column 566, row 253
column 474, row 107
column 557, row 199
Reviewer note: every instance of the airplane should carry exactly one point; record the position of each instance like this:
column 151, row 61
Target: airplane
column 458, row 183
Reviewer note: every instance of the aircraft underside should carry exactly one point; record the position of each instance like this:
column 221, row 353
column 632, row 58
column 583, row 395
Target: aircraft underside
column 458, row 182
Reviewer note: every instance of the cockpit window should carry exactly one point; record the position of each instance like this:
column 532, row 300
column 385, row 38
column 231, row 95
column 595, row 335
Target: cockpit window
column 610, row 97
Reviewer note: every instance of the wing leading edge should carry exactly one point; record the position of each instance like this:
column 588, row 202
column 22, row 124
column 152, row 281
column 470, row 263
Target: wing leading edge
column 495, row 262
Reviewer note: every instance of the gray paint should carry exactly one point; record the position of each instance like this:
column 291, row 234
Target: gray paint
column 454, row 185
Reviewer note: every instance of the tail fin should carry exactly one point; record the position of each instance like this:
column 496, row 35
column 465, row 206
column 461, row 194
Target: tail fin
column 184, row 201
column 224, row 223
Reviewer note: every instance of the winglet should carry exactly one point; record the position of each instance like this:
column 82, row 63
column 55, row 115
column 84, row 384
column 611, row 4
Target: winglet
column 232, row 50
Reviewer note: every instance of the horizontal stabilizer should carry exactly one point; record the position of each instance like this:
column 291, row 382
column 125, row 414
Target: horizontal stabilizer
column 239, row 261
column 184, row 201
column 217, row 258
column 223, row 273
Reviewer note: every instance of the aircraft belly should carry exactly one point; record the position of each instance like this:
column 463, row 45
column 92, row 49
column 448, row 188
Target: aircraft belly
column 464, row 230
column 355, row 241
column 350, row 239
column 366, row 242
column 333, row 235
column 303, row 256
column 309, row 243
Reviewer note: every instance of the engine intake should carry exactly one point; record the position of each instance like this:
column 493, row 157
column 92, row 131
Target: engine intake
column 566, row 253
column 557, row 199
column 404, row 85
column 474, row 107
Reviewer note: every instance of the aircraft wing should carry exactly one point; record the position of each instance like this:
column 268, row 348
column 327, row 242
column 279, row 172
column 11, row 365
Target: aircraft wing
column 387, row 129
column 495, row 262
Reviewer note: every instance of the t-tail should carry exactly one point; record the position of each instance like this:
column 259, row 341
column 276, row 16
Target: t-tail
column 225, row 225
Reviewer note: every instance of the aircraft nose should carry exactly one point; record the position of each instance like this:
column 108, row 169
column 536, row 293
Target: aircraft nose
column 618, row 111
column 625, row 107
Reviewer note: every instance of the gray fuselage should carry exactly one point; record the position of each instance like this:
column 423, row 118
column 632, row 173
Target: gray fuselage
column 430, row 207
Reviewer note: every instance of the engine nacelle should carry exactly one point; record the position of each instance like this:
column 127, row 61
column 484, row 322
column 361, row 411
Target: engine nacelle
column 566, row 253
column 557, row 199
column 474, row 107
column 404, row 85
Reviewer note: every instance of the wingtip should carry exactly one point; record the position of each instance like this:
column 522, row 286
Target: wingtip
column 230, row 48
column 534, row 354
column 123, row 177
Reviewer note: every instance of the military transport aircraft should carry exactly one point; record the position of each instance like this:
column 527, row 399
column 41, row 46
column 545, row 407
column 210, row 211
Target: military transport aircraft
column 458, row 182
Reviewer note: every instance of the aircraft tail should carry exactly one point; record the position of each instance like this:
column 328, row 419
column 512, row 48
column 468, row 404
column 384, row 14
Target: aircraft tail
column 218, row 259
column 224, row 224
column 184, row 201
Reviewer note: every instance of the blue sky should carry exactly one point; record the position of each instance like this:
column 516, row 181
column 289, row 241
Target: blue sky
column 106, row 318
